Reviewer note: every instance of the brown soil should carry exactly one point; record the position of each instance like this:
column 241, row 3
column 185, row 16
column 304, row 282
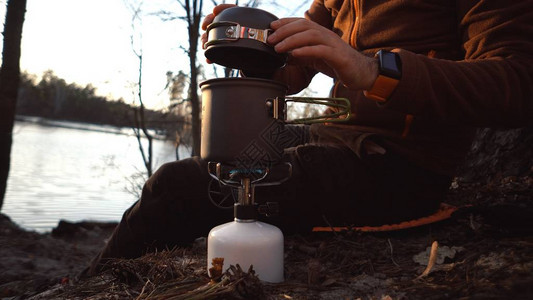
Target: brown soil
column 484, row 252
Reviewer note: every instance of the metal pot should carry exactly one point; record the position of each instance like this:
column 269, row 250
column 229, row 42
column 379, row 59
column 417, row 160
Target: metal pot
column 237, row 39
column 243, row 120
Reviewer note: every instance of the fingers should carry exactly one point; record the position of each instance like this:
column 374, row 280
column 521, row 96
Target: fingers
column 296, row 31
column 302, row 39
column 281, row 22
column 217, row 10
column 286, row 27
column 204, row 40
column 313, row 45
column 207, row 20
column 302, row 33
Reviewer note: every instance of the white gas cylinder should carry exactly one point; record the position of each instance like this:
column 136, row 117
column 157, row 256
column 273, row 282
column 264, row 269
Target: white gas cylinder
column 248, row 243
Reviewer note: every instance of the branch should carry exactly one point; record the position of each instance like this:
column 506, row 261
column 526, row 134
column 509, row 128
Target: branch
column 165, row 16
column 182, row 4
column 431, row 261
column 178, row 102
column 185, row 50
column 215, row 70
column 138, row 136
column 187, row 8
column 253, row 3
column 391, row 253
column 134, row 10
column 137, row 53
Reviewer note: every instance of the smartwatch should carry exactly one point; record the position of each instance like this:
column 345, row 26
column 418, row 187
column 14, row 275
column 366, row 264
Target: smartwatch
column 390, row 73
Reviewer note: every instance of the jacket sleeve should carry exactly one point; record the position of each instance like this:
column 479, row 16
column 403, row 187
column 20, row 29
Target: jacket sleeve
column 492, row 86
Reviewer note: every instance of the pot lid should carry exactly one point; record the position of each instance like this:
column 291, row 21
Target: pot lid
column 237, row 39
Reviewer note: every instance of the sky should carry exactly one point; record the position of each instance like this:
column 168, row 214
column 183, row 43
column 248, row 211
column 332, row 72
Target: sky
column 89, row 42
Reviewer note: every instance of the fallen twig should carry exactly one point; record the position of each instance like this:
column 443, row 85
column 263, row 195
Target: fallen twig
column 330, row 226
column 391, row 254
column 431, row 261
column 143, row 289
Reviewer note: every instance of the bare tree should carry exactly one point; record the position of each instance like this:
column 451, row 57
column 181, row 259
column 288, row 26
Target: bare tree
column 176, row 87
column 193, row 18
column 193, row 11
column 140, row 129
column 9, row 83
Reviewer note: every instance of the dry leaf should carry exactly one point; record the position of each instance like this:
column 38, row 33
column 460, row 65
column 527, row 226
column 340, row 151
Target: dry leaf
column 215, row 272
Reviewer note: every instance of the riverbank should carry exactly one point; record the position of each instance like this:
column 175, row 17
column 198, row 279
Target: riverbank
column 156, row 134
column 484, row 252
column 32, row 262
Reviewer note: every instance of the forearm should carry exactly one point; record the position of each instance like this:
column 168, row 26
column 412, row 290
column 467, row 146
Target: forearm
column 485, row 92
column 492, row 85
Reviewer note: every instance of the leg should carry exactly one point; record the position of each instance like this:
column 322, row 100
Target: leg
column 329, row 183
column 174, row 209
column 334, row 184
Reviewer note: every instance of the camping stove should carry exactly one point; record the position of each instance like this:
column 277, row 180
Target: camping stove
column 247, row 241
column 244, row 135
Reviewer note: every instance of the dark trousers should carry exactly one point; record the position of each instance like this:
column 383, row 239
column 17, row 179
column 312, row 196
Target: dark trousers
column 330, row 185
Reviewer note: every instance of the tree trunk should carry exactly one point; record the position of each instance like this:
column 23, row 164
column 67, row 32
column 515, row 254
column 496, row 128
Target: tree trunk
column 194, row 15
column 497, row 154
column 9, row 83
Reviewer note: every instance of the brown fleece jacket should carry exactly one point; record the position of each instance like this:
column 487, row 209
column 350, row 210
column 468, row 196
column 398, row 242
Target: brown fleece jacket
column 465, row 64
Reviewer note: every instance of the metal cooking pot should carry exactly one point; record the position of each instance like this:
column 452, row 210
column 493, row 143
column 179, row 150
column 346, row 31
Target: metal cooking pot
column 243, row 120
column 237, row 39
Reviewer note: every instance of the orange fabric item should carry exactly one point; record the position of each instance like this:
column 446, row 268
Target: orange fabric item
column 443, row 213
column 382, row 88
column 408, row 122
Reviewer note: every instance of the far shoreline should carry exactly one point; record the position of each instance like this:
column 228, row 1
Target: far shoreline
column 79, row 125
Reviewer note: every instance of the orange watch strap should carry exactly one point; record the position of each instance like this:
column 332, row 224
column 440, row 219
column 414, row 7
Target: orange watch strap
column 382, row 89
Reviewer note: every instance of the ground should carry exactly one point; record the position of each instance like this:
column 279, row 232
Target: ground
column 483, row 252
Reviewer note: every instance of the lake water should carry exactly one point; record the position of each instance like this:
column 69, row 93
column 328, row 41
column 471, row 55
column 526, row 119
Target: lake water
column 73, row 171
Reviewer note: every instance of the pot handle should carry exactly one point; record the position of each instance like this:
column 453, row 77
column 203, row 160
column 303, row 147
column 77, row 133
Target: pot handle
column 233, row 31
column 278, row 109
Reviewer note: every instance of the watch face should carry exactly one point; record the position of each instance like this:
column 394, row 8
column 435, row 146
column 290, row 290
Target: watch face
column 390, row 64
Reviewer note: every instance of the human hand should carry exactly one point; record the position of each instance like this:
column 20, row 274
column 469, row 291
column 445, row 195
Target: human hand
column 209, row 19
column 313, row 45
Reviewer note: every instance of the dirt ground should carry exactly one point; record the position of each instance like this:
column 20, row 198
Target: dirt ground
column 484, row 252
